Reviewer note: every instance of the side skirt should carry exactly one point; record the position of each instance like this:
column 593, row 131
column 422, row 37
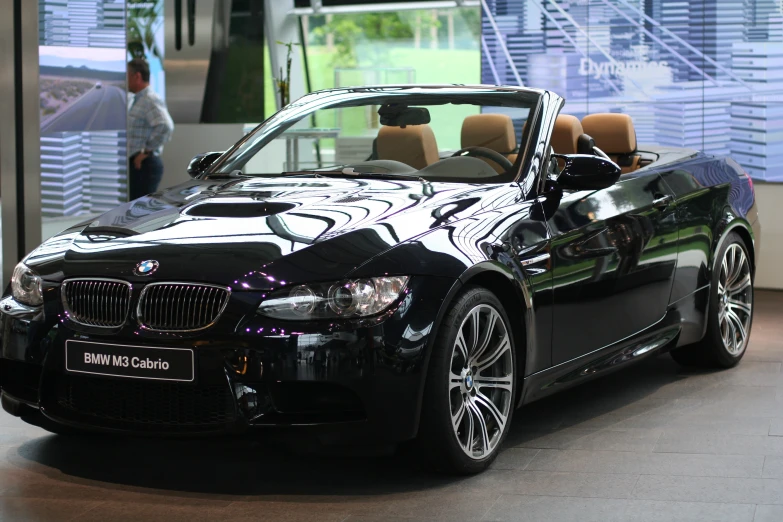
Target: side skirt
column 660, row 337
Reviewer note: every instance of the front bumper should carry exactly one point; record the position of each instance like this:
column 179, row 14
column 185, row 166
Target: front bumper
column 339, row 380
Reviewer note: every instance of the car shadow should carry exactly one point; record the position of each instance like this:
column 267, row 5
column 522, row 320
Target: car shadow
column 224, row 466
column 252, row 468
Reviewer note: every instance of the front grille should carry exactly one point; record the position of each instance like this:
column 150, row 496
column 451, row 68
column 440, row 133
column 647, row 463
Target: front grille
column 181, row 307
column 126, row 402
column 102, row 303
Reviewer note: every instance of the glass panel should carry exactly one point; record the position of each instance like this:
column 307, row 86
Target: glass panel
column 419, row 46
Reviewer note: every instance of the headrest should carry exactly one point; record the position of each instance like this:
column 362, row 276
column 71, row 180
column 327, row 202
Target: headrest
column 493, row 131
column 566, row 134
column 413, row 145
column 613, row 133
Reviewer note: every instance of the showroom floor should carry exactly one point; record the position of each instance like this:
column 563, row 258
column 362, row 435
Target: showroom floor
column 652, row 443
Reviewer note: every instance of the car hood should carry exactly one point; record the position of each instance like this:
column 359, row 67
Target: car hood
column 258, row 233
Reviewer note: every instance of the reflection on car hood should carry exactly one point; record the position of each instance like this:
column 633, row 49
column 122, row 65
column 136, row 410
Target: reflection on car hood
column 256, row 232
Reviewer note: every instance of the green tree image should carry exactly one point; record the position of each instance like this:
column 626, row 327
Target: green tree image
column 142, row 24
column 374, row 28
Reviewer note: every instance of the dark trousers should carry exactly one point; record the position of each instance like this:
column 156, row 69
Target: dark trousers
column 146, row 179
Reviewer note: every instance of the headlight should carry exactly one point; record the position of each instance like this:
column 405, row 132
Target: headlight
column 26, row 286
column 345, row 299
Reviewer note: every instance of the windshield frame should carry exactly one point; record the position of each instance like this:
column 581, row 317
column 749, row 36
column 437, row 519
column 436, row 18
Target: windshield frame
column 240, row 153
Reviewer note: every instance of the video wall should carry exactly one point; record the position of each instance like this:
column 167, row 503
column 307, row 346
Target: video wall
column 84, row 47
column 704, row 74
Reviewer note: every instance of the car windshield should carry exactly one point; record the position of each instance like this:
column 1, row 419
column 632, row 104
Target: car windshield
column 436, row 134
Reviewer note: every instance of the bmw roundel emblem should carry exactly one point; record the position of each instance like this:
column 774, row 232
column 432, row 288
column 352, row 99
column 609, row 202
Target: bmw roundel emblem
column 146, row 268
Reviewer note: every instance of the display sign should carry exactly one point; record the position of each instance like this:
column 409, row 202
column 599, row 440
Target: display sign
column 704, row 74
column 132, row 362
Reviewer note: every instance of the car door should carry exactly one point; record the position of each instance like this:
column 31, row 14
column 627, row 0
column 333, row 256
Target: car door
column 614, row 253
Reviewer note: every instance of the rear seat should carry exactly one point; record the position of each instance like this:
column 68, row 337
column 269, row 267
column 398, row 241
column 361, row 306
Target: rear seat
column 615, row 135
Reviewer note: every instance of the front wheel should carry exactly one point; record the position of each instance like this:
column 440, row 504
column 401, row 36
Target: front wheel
column 470, row 389
column 730, row 311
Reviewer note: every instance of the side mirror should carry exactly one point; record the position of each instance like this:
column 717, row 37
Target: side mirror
column 201, row 162
column 587, row 172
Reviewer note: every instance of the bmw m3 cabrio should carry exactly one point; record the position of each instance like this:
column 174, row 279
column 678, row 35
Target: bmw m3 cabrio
column 386, row 264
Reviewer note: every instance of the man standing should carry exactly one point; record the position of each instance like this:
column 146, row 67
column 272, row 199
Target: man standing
column 149, row 127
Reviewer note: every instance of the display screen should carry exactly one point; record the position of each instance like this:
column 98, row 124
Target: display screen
column 83, row 106
column 82, row 89
column 703, row 74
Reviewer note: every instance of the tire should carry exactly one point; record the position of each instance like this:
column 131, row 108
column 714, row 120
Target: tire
column 729, row 313
column 471, row 384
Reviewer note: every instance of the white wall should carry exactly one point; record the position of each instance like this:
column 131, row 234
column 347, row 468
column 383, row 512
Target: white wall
column 190, row 139
column 769, row 197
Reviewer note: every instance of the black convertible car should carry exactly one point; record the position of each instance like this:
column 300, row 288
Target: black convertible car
column 385, row 264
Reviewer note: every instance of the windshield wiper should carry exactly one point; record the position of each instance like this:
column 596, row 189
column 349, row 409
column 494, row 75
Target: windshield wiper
column 350, row 173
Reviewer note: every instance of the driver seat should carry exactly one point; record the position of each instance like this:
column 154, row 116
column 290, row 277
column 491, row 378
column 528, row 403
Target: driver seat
column 491, row 131
column 413, row 145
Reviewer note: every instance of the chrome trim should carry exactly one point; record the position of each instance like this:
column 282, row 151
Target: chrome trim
column 170, row 314
column 12, row 307
column 92, row 305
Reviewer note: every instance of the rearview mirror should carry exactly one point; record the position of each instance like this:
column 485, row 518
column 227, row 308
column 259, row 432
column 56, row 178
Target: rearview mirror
column 201, row 162
column 393, row 115
column 587, row 172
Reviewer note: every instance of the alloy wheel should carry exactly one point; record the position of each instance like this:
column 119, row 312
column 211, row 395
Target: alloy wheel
column 481, row 381
column 735, row 300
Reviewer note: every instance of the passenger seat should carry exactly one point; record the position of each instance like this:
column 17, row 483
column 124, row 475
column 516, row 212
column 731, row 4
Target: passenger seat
column 413, row 145
column 491, row 131
column 615, row 135
column 566, row 134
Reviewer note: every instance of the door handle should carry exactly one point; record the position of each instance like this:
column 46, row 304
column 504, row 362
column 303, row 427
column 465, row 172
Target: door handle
column 663, row 201
column 538, row 258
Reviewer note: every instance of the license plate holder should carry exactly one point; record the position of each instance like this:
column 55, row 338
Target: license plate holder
column 130, row 361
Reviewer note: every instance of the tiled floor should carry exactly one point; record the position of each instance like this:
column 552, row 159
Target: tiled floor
column 652, row 443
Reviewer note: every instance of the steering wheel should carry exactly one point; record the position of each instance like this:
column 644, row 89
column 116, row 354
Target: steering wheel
column 483, row 152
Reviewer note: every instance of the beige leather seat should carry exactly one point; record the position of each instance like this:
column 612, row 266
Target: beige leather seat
column 413, row 145
column 566, row 134
column 491, row 131
column 615, row 135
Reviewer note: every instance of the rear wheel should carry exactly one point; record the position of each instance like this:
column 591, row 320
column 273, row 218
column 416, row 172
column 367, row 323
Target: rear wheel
column 469, row 395
column 730, row 311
